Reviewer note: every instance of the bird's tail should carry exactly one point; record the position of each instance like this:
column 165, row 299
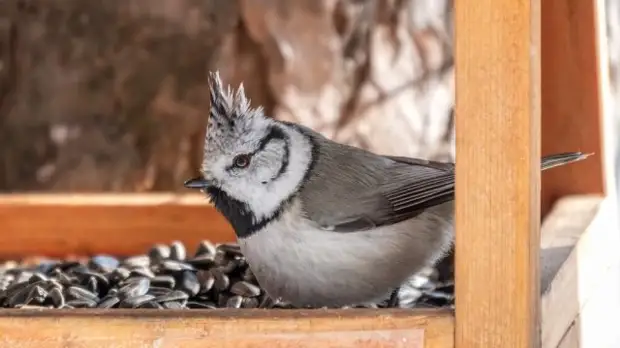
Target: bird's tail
column 561, row 159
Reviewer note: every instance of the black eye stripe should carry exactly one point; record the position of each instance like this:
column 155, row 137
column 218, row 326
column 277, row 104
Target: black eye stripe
column 274, row 133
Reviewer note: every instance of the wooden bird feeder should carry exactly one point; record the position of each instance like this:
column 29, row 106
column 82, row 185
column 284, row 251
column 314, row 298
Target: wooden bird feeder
column 526, row 86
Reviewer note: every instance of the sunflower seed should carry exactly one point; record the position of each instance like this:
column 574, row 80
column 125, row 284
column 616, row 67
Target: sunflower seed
column 19, row 295
column 37, row 276
column 36, row 295
column 137, row 261
column 104, row 263
column 205, row 248
column 249, row 303
column 206, row 280
column 91, row 285
column 151, row 304
column 109, row 302
column 158, row 291
column 79, row 293
column 222, row 282
column 230, row 249
column 172, row 305
column 82, row 303
column 175, row 295
column 35, row 307
column 246, row 289
column 234, row 302
column 174, row 265
column 159, row 252
column 164, row 281
column 177, row 251
column 228, row 266
column 141, row 272
column 201, row 305
column 135, row 287
column 56, row 296
column 202, row 261
column 136, row 301
column 119, row 275
column 188, row 283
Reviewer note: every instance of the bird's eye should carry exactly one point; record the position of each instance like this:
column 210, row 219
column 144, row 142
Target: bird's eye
column 241, row 161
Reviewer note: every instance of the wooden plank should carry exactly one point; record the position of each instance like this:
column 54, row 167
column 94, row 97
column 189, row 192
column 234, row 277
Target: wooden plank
column 227, row 328
column 573, row 82
column 581, row 234
column 58, row 225
column 498, row 173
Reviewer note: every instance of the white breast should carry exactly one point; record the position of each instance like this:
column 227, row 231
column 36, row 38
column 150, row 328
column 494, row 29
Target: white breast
column 307, row 266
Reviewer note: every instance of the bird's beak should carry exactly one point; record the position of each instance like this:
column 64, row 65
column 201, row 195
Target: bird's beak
column 197, row 183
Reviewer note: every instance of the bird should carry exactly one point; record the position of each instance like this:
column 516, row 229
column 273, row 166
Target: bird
column 321, row 223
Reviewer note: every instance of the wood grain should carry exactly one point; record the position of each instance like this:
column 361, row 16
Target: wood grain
column 497, row 173
column 57, row 225
column 572, row 96
column 579, row 245
column 227, row 328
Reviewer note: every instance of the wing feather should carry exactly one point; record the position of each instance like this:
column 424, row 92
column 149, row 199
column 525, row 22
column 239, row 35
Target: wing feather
column 352, row 190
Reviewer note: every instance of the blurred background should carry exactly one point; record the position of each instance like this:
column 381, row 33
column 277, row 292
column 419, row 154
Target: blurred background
column 111, row 95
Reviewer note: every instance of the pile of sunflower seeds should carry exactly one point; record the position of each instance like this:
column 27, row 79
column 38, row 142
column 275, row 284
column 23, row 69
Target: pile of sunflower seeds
column 215, row 276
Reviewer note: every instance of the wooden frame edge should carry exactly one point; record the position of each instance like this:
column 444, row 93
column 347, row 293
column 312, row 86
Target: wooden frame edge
column 228, row 328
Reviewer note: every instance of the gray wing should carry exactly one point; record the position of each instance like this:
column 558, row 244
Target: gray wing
column 351, row 189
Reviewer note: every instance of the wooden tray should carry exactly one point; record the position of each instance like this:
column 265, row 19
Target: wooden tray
column 57, row 225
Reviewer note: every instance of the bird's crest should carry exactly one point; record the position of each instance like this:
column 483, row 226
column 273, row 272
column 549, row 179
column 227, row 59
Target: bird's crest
column 231, row 114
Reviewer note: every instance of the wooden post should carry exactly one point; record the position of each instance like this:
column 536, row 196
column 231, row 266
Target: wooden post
column 498, row 173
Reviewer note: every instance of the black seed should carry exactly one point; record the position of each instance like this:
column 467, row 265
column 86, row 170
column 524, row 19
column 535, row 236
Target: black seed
column 58, row 299
column 151, row 304
column 30, row 306
column 135, row 287
column 234, row 302
column 177, row 251
column 172, row 305
column 206, row 280
column 222, row 282
column 202, row 261
column 201, row 305
column 82, row 303
column 104, row 263
column 91, row 285
column 188, row 283
column 141, row 272
column 164, row 281
column 249, row 303
column 38, row 276
column 227, row 266
column 136, row 301
column 231, row 249
column 19, row 295
column 246, row 289
column 175, row 295
column 36, row 295
column 119, row 275
column 79, row 293
column 109, row 302
column 158, row 291
column 173, row 265
column 205, row 248
column 159, row 252
column 222, row 299
column 137, row 261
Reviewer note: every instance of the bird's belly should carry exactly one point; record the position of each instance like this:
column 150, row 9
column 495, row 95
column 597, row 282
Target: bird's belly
column 311, row 267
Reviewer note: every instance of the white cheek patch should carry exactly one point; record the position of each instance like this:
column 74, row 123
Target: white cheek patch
column 265, row 199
